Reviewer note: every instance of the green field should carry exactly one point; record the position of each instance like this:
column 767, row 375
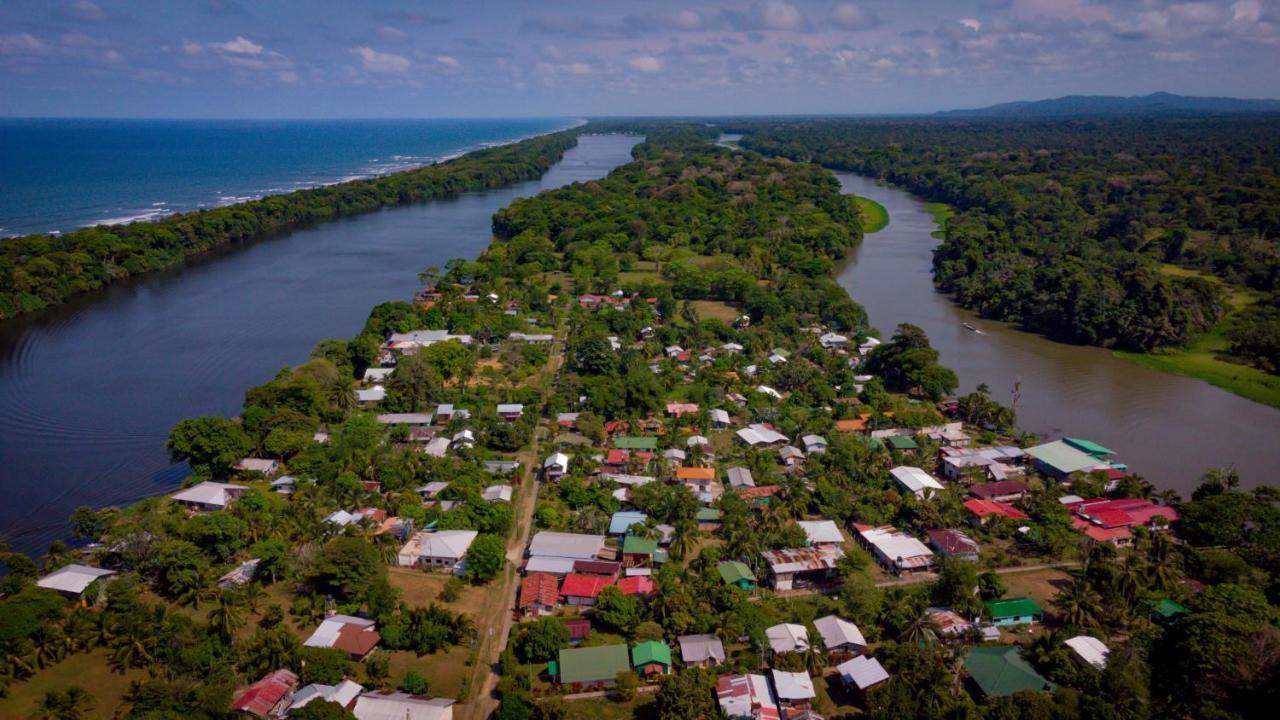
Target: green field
column 1203, row 360
column 940, row 212
column 874, row 217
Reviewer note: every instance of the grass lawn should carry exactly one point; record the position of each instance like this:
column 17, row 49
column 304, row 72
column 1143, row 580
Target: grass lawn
column 874, row 217
column 1039, row 585
column 88, row 670
column 940, row 212
column 419, row 589
column 715, row 310
column 1202, row 360
column 444, row 671
column 602, row 709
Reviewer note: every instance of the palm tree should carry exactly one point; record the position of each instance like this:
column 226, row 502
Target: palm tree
column 17, row 666
column 252, row 595
column 919, row 631
column 815, row 656
column 1163, row 566
column 341, row 395
column 49, row 643
column 683, row 539
column 57, row 556
column 78, row 630
column 1079, row 602
column 129, row 653
column 228, row 614
column 73, row 704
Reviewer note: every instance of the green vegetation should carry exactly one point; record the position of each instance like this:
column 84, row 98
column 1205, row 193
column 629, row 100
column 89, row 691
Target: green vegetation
column 874, row 217
column 941, row 212
column 1062, row 227
column 38, row 271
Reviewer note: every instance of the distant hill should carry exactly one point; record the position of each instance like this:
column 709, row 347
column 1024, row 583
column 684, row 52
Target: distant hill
column 1159, row 104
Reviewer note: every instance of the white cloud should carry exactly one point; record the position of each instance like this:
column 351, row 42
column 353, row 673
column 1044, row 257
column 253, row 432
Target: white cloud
column 386, row 33
column 1249, row 11
column 578, row 69
column 378, row 62
column 686, row 20
column 86, row 10
column 971, row 23
column 288, row 76
column 239, row 46
column 645, row 63
column 1175, row 56
column 447, row 60
column 848, row 16
column 21, row 44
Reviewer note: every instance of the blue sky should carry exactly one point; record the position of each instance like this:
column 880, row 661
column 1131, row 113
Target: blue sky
column 437, row 58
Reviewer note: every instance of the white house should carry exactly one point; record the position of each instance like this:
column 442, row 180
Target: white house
column 443, row 549
column 73, row 580
column 832, row 340
column 497, row 493
column 266, row 466
column 343, row 694
column 821, row 532
column 209, row 495
column 388, row 705
column 916, row 481
column 719, row 418
column 793, row 688
column 896, row 550
column 740, row 477
column 862, row 672
column 376, row 375
column 788, row 637
column 701, row 650
column 814, row 444
column 761, row 435
column 510, row 411
column 371, row 396
column 840, row 635
column 1090, row 650
column 555, row 466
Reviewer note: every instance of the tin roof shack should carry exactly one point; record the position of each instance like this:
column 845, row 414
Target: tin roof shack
column 267, row 697
column 897, row 551
column 842, row 638
column 701, row 650
column 953, row 543
column 388, row 705
column 794, row 689
column 821, row 532
column 1001, row 670
column 747, row 696
column 344, row 694
column 916, row 481
column 862, row 673
column 802, row 567
column 593, row 667
column 557, row 552
column 356, row 636
column 1013, row 611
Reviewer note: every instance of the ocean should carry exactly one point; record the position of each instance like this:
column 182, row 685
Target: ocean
column 57, row 175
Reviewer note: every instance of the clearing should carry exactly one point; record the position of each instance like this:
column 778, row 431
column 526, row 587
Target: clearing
column 874, row 217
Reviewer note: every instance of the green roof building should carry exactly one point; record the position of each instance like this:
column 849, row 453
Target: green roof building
column 593, row 666
column 1167, row 609
column 901, row 442
column 636, row 545
column 737, row 573
column 636, row 443
column 651, row 658
column 1001, row 670
column 1059, row 460
column 708, row 515
column 1013, row 611
column 1090, row 447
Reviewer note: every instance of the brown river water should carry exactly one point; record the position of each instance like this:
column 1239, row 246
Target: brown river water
column 1168, row 428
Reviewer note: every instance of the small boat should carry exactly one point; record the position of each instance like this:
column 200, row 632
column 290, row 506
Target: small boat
column 969, row 326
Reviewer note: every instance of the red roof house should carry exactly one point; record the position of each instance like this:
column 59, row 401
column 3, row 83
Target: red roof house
column 579, row 628
column 637, row 585
column 264, row 696
column 984, row 509
column 617, row 457
column 583, row 589
column 539, row 594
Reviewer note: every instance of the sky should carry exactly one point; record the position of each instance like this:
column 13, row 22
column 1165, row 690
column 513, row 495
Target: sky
column 520, row 58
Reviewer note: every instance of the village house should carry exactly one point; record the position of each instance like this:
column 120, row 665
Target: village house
column 916, row 481
column 1089, row 650
column 821, row 532
column 557, row 552
column 267, row 697
column 720, row 418
column 862, row 673
column 790, row 456
column 842, row 638
column 638, row 552
column 591, row 668
column 443, row 550
column 265, row 466
column 510, row 411
column 555, row 466
column 412, row 420
column 701, row 482
column 1005, row 491
column 701, row 650
column 240, row 575
column 376, row 375
column 650, row 658
column 1059, row 460
column 787, row 638
column 620, row 523
column 73, row 580
column 581, row 590
column 897, row 551
column 1112, row 521
column 948, row 621
column 995, row 463
column 980, row 511
column 343, row 695
column 814, row 444
column 761, row 435
column 1000, row 671
column 368, row 397
column 209, row 495
column 679, row 409
column 802, row 567
column 953, row 543
column 539, row 595
column 637, row 585
column 746, row 696
column 733, row 572
column 740, row 477
column 794, row 690
column 497, row 493
column 357, row 637
column 386, row 705
column 1013, row 611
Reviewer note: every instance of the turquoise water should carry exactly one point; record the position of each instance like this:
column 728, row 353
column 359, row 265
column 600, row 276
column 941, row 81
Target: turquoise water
column 61, row 174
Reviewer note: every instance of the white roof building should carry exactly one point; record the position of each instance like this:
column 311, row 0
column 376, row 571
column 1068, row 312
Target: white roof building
column 720, row 417
column 405, row 418
column 342, row 694
column 760, row 434
column 821, row 532
column 1089, row 649
column 732, row 347
column 210, row 495
column 566, row 545
column 697, row 441
column 423, row 338
column 862, row 672
column 769, row 391
column 510, row 409
column 327, row 634
column 437, row 446
column 814, row 443
column 788, row 637
column 740, row 477
column 896, row 549
column 447, row 544
column 831, row 340
column 793, row 687
column 556, row 463
column 701, row 648
column 386, row 705
column 375, row 394
column 266, row 466
column 746, row 696
column 497, row 493
column 377, row 374
column 838, row 633
column 73, row 579
column 916, row 481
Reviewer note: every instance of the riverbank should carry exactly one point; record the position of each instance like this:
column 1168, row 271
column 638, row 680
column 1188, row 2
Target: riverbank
column 874, row 217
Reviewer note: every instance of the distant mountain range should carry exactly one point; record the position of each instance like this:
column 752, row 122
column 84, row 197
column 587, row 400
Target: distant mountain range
column 1159, row 104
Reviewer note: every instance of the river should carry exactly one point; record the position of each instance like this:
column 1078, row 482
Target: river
column 90, row 390
column 1168, row 428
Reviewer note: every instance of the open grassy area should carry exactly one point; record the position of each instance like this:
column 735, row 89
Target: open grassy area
column 603, row 709
column 715, row 310
column 419, row 589
column 90, row 671
column 874, row 217
column 940, row 212
column 1204, row 361
column 445, row 671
